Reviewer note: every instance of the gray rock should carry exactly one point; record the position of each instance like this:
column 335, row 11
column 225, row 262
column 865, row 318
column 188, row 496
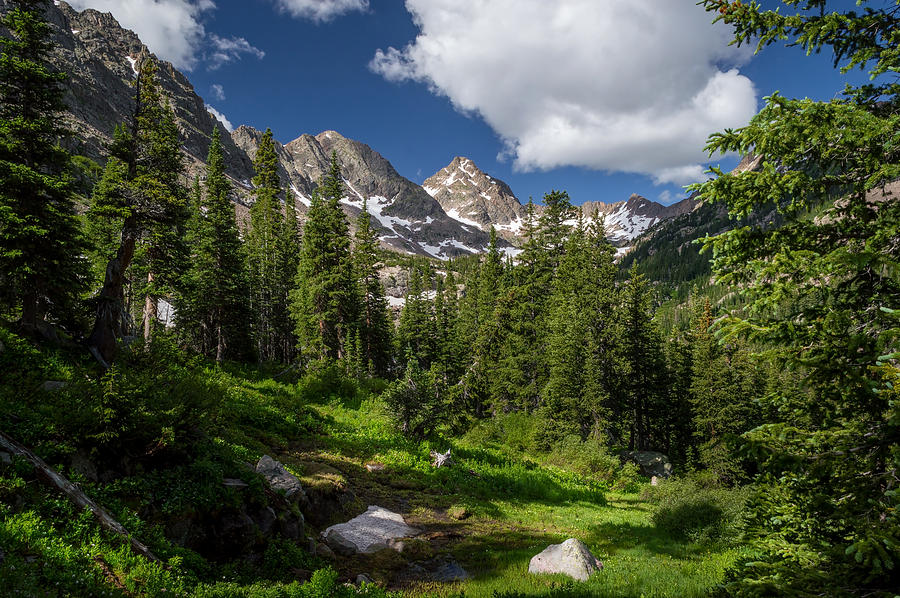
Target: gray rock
column 235, row 483
column 475, row 198
column 442, row 569
column 373, row 467
column 654, row 481
column 5, row 458
column 448, row 570
column 324, row 551
column 651, row 463
column 280, row 478
column 570, row 558
column 370, row 532
column 363, row 578
column 52, row 385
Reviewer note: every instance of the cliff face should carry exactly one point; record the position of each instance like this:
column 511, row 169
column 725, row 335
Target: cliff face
column 476, row 199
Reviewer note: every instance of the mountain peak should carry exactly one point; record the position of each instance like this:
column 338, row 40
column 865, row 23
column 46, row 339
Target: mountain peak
column 329, row 134
column 476, row 199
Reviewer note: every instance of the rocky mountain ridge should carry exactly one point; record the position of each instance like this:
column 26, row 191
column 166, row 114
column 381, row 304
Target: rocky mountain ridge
column 449, row 215
column 479, row 200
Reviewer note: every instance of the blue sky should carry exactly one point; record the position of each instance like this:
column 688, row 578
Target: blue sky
column 600, row 98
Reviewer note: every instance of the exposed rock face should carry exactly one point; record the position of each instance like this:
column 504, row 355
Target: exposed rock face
column 280, row 479
column 476, row 199
column 570, row 558
column 370, row 532
column 100, row 58
column 652, row 464
column 627, row 220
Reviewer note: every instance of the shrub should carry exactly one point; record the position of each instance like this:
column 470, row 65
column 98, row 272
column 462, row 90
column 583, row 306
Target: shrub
column 586, row 457
column 416, row 400
column 694, row 508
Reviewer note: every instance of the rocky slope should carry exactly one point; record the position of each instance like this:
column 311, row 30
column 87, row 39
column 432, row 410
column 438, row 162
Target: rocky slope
column 476, row 199
column 481, row 201
column 627, row 220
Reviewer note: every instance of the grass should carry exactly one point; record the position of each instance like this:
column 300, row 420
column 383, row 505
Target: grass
column 512, row 509
column 492, row 510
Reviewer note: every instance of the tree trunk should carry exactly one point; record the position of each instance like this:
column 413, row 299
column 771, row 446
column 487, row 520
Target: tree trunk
column 220, row 339
column 52, row 478
column 109, row 325
column 150, row 311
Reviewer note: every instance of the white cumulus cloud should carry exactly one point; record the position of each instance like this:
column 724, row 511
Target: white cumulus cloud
column 172, row 29
column 221, row 118
column 228, row 49
column 218, row 91
column 616, row 85
column 320, row 10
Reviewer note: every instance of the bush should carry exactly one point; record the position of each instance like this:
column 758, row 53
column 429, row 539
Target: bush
column 586, row 457
column 416, row 401
column 695, row 508
column 326, row 380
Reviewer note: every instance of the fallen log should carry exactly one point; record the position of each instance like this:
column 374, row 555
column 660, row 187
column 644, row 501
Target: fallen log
column 50, row 477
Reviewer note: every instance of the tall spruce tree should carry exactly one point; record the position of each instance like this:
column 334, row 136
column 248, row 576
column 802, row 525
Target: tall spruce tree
column 217, row 278
column 288, row 253
column 41, row 269
column 644, row 392
column 325, row 301
column 144, row 191
column 374, row 326
column 822, row 290
column 271, row 272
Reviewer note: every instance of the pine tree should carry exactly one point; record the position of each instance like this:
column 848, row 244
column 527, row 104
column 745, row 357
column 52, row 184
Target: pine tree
column 488, row 337
column 325, row 301
column 523, row 371
column 269, row 291
column 416, row 329
column 574, row 398
column 374, row 326
column 288, row 253
column 152, row 204
column 217, row 278
column 821, row 291
column 41, row 269
column 555, row 226
column 644, row 393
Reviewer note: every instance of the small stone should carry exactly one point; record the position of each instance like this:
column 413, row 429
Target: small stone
column 5, row 458
column 324, row 551
column 235, row 483
column 373, row 467
column 654, row 481
column 52, row 385
column 363, row 578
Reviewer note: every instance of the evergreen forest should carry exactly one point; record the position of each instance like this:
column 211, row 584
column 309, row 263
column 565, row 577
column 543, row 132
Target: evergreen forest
column 153, row 348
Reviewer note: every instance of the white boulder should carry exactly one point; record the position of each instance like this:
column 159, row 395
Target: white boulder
column 570, row 558
column 372, row 531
